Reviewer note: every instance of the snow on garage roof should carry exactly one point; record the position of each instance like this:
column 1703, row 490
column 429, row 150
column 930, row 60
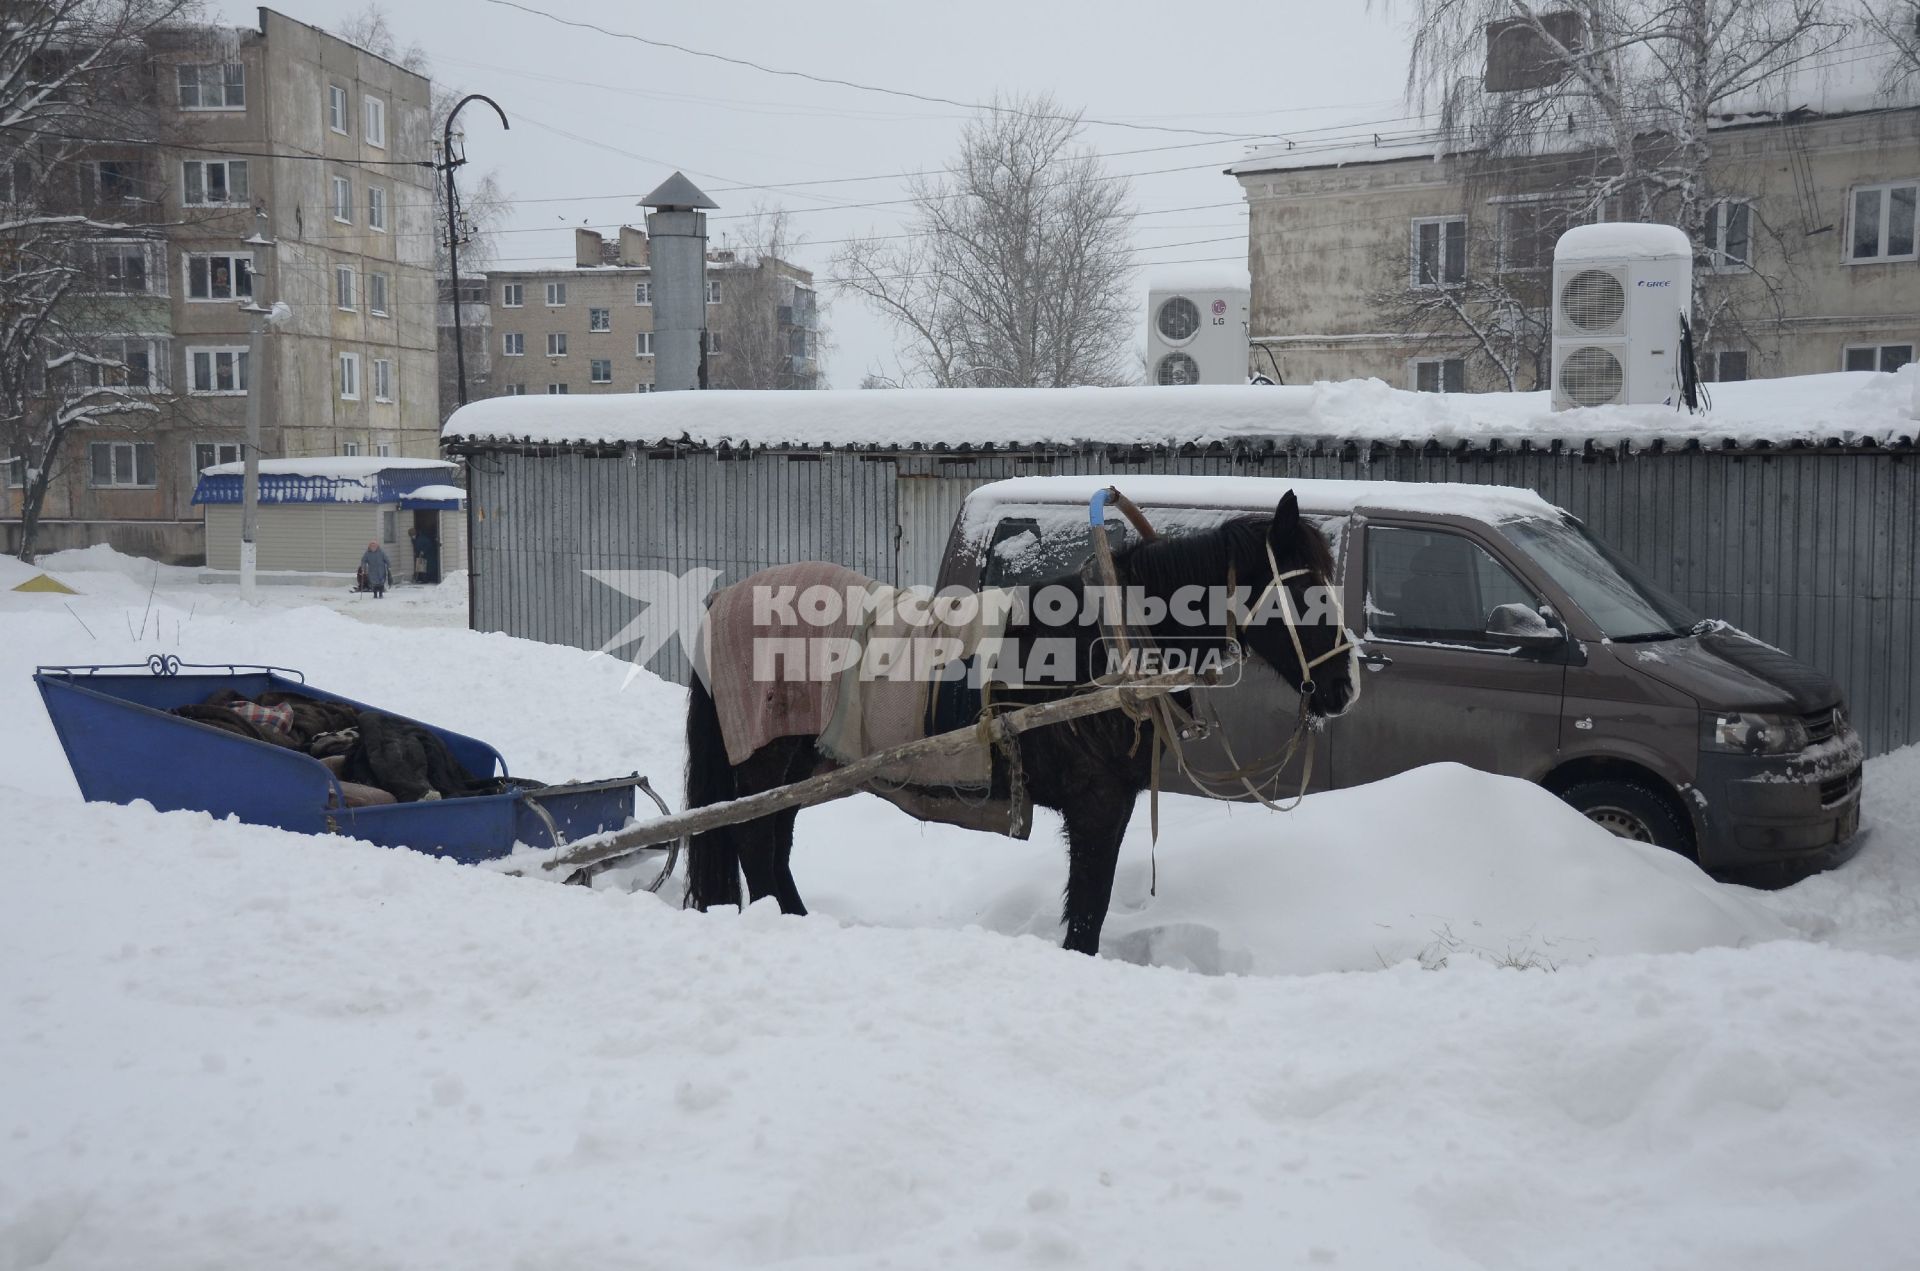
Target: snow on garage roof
column 1859, row 407
column 1259, row 494
column 343, row 467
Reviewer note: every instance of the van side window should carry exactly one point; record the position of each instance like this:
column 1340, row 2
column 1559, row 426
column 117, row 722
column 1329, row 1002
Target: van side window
column 1431, row 585
column 1023, row 550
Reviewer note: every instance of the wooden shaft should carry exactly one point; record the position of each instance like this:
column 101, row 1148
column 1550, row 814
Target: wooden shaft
column 841, row 782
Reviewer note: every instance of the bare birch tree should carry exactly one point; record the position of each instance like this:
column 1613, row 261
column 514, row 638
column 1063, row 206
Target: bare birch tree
column 766, row 328
column 1611, row 120
column 1898, row 23
column 76, row 119
column 1017, row 271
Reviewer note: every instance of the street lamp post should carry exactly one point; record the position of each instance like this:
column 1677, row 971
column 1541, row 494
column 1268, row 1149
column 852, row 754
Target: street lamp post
column 263, row 315
column 449, row 163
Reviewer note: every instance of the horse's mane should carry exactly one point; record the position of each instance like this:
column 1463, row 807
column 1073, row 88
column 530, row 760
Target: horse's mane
column 1165, row 564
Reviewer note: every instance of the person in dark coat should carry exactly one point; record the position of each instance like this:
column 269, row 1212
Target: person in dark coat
column 377, row 568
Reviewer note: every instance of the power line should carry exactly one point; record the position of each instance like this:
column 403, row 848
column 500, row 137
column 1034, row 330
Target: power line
column 866, row 88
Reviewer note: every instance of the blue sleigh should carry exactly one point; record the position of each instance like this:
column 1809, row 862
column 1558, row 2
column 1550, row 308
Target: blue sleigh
column 122, row 744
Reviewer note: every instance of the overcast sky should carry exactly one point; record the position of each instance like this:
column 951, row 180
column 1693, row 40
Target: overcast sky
column 599, row 121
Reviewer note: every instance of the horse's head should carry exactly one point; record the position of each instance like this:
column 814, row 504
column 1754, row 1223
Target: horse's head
column 1303, row 639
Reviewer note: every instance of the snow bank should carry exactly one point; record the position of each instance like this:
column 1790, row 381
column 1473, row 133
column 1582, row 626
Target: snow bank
column 238, row 1047
column 1857, row 406
column 231, row 1046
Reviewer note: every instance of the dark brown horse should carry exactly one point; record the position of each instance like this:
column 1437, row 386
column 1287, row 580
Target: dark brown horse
column 1091, row 772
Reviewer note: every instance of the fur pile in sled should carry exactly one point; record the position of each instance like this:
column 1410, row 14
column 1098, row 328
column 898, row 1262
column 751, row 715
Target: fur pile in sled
column 377, row 758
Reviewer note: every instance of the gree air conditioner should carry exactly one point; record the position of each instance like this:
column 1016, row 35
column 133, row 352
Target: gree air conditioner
column 1619, row 294
column 1197, row 328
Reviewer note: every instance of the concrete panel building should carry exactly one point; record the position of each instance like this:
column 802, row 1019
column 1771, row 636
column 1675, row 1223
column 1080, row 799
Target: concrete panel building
column 325, row 139
column 1814, row 247
column 589, row 329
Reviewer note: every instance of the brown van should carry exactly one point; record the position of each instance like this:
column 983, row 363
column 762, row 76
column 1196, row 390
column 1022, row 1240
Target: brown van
column 1495, row 631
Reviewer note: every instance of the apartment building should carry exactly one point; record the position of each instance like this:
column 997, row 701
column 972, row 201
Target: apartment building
column 1813, row 247
column 589, row 329
column 288, row 171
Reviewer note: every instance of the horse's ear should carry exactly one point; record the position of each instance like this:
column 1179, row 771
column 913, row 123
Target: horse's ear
column 1286, row 520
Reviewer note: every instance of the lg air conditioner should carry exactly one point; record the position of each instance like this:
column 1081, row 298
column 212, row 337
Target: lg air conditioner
column 1197, row 328
column 1619, row 293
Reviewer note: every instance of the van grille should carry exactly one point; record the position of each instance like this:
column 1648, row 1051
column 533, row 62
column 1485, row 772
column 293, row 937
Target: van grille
column 1839, row 789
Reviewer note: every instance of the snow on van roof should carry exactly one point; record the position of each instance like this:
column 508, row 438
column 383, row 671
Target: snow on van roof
column 1491, row 503
column 1857, row 407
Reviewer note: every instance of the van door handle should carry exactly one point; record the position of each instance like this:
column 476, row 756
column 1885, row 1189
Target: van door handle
column 1376, row 661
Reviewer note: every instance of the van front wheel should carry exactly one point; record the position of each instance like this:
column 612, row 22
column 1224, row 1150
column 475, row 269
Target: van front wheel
column 1631, row 810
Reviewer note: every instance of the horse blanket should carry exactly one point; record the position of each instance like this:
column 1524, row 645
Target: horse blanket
column 819, row 650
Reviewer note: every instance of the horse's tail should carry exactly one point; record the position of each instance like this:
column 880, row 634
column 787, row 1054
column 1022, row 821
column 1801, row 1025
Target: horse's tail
column 713, row 859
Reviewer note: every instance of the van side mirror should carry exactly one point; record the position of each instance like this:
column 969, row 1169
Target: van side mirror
column 1522, row 626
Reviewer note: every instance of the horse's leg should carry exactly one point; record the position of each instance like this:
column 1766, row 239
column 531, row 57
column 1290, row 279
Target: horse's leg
column 766, row 844
column 1096, row 819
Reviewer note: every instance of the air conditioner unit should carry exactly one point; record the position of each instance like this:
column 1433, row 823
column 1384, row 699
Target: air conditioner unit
column 1619, row 292
column 1196, row 334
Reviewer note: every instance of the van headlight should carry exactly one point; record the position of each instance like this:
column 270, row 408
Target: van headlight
column 1739, row 733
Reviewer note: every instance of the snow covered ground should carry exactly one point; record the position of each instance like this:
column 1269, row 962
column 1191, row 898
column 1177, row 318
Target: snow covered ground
column 231, row 1046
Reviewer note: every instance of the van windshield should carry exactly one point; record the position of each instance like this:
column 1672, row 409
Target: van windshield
column 1606, row 586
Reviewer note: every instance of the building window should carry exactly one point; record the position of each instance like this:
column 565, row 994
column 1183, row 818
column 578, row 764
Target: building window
column 1529, row 229
column 513, row 295
column 384, row 450
column 125, row 268
column 556, row 344
column 643, row 388
column 556, row 294
column 713, row 342
column 516, row 390
column 1883, row 226
column 343, row 287
column 337, row 108
column 377, row 208
column 600, row 370
column 556, row 390
column 217, row 371
column 1876, row 357
column 643, row 293
column 221, row 276
column 1729, row 235
column 207, row 454
column 116, row 181
column 1439, row 251
column 213, row 183
column 643, row 344
column 350, row 377
column 374, row 112
column 377, row 294
column 1724, row 366
column 135, row 363
column 350, row 449
column 343, row 200
column 382, row 380
column 713, row 293
column 513, row 344
column 125, row 464
column 217, row 86
column 1440, row 375
column 599, row 320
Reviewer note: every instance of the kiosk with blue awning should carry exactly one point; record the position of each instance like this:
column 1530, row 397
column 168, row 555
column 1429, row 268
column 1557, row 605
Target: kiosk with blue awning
column 318, row 515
